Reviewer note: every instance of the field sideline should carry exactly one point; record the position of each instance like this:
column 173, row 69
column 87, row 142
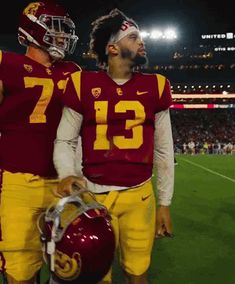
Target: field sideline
column 202, row 250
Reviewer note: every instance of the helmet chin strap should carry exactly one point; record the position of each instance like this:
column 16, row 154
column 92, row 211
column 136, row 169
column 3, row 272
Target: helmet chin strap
column 56, row 53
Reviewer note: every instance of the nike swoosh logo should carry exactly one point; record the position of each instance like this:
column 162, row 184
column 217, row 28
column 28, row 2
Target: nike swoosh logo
column 65, row 73
column 145, row 197
column 138, row 93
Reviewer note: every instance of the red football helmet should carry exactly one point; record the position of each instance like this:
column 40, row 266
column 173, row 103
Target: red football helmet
column 48, row 26
column 78, row 238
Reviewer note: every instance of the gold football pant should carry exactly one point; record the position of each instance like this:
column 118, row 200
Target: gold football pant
column 133, row 218
column 23, row 198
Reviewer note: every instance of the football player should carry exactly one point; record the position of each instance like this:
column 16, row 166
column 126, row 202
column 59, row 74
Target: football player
column 124, row 121
column 30, row 88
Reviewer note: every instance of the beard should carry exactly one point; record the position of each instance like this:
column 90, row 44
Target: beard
column 140, row 60
column 136, row 59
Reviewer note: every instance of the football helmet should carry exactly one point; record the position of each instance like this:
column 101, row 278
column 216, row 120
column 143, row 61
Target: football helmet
column 78, row 239
column 48, row 26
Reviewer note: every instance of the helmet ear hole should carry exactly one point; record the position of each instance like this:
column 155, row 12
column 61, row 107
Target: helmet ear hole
column 78, row 238
column 22, row 40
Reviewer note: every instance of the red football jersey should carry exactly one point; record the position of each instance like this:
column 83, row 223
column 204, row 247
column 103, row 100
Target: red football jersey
column 118, row 124
column 30, row 112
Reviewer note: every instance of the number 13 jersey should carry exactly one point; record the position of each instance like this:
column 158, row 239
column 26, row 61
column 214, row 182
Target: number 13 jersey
column 118, row 124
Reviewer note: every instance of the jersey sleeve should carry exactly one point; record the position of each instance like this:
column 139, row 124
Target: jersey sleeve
column 72, row 93
column 164, row 93
column 75, row 67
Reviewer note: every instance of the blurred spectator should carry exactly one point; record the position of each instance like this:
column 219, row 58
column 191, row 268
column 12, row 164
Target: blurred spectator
column 191, row 147
column 209, row 131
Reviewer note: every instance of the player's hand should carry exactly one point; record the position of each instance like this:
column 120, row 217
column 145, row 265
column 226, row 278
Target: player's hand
column 67, row 185
column 163, row 222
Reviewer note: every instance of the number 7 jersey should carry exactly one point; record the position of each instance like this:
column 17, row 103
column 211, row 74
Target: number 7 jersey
column 30, row 112
column 118, row 124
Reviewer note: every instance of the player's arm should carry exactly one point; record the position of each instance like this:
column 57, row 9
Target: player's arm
column 164, row 162
column 65, row 157
column 1, row 91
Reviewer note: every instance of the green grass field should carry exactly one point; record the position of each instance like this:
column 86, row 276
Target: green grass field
column 203, row 213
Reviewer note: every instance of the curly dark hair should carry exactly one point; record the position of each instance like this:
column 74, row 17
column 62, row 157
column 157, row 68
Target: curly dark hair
column 103, row 28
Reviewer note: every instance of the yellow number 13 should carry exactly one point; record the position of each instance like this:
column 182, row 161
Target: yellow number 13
column 135, row 125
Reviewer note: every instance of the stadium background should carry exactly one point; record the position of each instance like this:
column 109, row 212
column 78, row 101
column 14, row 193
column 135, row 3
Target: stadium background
column 201, row 61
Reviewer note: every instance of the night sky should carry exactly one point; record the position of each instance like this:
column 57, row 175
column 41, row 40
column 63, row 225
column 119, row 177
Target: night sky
column 188, row 16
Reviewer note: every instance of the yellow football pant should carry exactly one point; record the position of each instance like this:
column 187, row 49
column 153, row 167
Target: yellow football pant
column 133, row 219
column 23, row 198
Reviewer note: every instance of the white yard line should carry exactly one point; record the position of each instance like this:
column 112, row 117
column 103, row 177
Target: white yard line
column 208, row 170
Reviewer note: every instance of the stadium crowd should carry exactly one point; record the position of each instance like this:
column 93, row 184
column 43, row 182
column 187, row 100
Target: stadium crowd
column 204, row 131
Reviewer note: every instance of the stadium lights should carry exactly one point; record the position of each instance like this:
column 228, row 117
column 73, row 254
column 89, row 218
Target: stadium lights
column 144, row 34
column 156, row 34
column 168, row 34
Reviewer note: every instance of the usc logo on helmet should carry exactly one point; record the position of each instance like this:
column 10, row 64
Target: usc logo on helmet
column 32, row 8
column 70, row 230
column 67, row 268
